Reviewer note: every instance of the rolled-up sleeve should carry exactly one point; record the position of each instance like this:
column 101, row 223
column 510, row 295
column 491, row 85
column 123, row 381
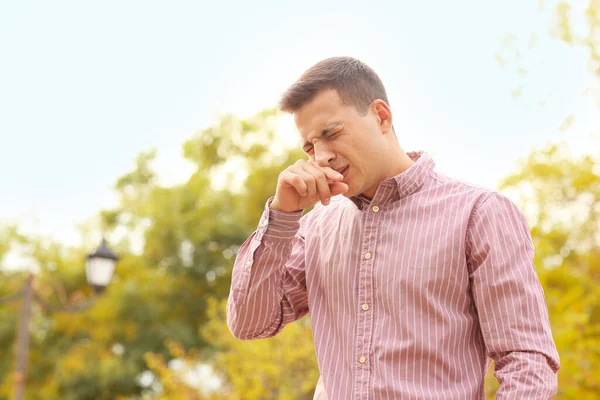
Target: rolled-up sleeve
column 510, row 300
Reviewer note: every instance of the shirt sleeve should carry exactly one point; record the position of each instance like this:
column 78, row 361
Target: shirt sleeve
column 268, row 287
column 510, row 301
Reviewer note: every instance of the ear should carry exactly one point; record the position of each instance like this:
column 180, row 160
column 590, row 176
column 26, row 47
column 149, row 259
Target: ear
column 383, row 114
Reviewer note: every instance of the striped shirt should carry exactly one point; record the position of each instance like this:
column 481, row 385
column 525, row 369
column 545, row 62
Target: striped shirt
column 410, row 294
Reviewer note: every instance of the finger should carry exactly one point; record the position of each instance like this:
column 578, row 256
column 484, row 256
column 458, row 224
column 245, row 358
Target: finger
column 309, row 180
column 338, row 188
column 321, row 182
column 332, row 174
column 292, row 179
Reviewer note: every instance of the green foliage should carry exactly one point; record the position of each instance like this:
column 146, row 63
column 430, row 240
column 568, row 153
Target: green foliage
column 590, row 38
column 189, row 234
column 283, row 367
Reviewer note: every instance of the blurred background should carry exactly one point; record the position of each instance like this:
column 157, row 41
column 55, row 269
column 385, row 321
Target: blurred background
column 153, row 124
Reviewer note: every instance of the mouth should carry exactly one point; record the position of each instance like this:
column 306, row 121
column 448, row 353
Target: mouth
column 344, row 171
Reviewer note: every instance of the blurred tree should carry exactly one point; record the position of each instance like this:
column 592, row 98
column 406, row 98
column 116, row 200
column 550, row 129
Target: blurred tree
column 283, row 367
column 177, row 242
column 575, row 23
column 173, row 382
column 589, row 38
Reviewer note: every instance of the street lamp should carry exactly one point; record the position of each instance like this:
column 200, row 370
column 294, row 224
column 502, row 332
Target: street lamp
column 100, row 267
column 99, row 270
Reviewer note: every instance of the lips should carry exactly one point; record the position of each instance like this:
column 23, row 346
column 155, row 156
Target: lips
column 343, row 171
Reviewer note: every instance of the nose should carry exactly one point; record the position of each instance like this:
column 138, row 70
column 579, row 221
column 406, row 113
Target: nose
column 323, row 155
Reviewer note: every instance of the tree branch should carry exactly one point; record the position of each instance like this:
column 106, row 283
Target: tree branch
column 73, row 308
column 12, row 298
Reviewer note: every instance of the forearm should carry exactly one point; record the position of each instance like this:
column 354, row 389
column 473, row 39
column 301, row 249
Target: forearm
column 265, row 295
column 254, row 308
column 525, row 375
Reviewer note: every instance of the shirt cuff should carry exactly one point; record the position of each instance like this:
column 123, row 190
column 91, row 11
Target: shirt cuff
column 278, row 224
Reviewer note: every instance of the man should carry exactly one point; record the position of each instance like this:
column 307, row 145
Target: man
column 413, row 280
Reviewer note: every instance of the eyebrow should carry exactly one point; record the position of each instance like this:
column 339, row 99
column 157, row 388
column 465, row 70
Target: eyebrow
column 324, row 132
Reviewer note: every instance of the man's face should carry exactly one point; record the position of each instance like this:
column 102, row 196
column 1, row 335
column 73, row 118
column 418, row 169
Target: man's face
column 336, row 135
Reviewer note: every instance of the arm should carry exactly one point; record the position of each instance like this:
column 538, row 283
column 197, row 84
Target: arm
column 510, row 301
column 268, row 288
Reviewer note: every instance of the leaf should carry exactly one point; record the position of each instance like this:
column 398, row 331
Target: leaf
column 567, row 122
column 516, row 93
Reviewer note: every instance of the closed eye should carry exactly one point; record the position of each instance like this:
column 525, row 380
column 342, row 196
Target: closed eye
column 309, row 147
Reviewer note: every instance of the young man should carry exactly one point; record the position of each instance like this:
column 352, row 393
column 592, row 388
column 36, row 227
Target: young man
column 413, row 280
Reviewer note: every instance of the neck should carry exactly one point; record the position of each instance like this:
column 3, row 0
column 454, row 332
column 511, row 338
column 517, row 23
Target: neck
column 401, row 162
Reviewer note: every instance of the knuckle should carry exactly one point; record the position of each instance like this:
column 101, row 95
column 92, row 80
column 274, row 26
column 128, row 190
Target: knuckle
column 286, row 172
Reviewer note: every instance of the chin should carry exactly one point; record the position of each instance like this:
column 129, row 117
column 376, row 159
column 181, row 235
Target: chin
column 351, row 192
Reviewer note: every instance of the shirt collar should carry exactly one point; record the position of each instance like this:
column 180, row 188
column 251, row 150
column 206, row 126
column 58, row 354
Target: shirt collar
column 403, row 184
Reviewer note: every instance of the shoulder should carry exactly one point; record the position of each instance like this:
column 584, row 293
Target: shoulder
column 481, row 199
column 497, row 213
column 472, row 194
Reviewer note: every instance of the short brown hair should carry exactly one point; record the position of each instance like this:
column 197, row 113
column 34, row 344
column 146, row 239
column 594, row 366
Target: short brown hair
column 356, row 83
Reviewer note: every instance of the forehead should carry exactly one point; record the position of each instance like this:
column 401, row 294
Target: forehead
column 325, row 109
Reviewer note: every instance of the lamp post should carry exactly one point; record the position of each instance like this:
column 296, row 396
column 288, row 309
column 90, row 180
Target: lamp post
column 99, row 269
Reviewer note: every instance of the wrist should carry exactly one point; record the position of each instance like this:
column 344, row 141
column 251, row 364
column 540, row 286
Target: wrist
column 276, row 206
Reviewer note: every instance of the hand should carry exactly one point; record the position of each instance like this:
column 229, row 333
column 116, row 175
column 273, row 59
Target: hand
column 303, row 184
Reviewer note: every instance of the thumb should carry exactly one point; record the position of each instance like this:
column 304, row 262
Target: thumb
column 338, row 188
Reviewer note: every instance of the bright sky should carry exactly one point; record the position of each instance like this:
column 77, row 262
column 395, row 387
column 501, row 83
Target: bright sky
column 86, row 86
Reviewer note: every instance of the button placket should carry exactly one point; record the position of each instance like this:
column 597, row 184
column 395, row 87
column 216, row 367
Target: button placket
column 365, row 311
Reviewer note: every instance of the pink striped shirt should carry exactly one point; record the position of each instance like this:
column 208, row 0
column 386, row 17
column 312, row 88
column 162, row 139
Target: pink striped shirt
column 410, row 294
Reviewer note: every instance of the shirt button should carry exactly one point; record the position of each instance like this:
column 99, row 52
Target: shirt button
column 367, row 256
column 365, row 307
column 362, row 359
column 375, row 208
column 249, row 262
